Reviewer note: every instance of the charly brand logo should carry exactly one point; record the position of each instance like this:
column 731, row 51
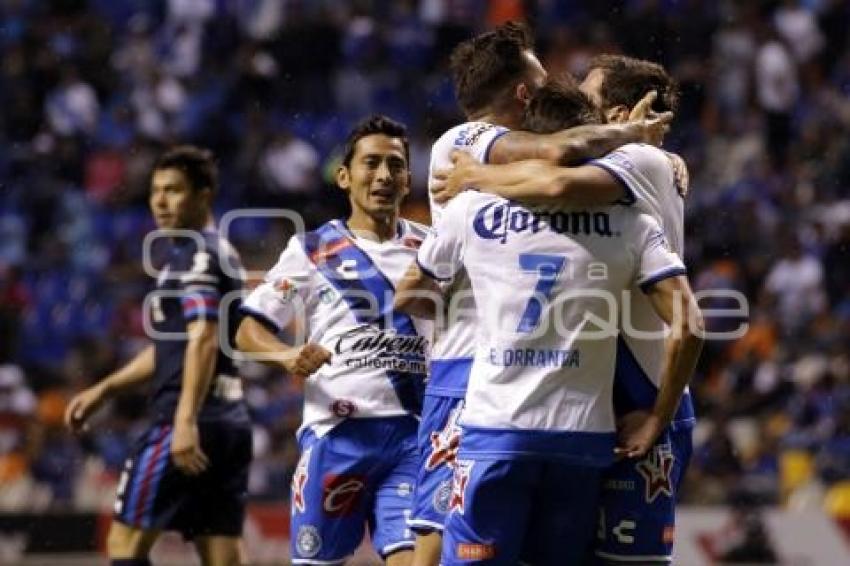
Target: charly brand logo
column 496, row 220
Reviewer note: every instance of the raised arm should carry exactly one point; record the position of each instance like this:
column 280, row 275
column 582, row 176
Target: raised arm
column 675, row 304
column 577, row 144
column 534, row 181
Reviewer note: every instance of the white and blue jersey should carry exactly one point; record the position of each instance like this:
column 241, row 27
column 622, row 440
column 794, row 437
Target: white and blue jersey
column 337, row 290
column 454, row 345
column 637, row 504
column 538, row 427
column 647, row 175
column 547, row 285
column 358, row 446
column 451, row 361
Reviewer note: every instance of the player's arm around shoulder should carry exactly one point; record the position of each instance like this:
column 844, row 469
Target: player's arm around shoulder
column 580, row 143
column 533, row 181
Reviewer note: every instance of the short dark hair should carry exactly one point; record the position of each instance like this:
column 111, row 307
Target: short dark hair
column 627, row 80
column 558, row 105
column 484, row 66
column 375, row 124
column 197, row 164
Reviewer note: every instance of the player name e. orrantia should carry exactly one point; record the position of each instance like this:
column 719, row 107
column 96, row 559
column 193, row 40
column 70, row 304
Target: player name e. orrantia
column 368, row 341
column 496, row 220
column 532, row 357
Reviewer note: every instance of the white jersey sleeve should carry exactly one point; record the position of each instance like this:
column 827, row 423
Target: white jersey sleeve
column 441, row 254
column 475, row 138
column 284, row 292
column 655, row 258
column 651, row 183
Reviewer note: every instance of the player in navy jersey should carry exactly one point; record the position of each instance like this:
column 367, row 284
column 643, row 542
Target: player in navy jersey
column 364, row 365
column 189, row 471
column 495, row 74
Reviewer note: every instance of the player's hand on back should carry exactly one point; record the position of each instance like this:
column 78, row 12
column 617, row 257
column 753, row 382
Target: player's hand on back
column 636, row 433
column 305, row 360
column 448, row 183
column 186, row 448
column 81, row 407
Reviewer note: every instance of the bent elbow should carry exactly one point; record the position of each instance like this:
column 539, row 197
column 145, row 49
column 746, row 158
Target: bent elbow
column 573, row 152
column 695, row 327
column 243, row 335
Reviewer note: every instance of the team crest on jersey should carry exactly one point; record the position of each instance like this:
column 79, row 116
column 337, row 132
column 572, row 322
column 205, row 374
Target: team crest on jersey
column 656, row 470
column 308, row 542
column 299, row 481
column 286, row 288
column 326, row 295
column 444, row 444
column 460, row 481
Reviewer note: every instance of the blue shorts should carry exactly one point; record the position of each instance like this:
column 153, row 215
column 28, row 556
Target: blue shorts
column 439, row 437
column 153, row 494
column 361, row 472
column 637, row 509
column 512, row 511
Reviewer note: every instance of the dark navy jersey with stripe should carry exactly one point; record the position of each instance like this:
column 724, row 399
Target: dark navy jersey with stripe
column 200, row 278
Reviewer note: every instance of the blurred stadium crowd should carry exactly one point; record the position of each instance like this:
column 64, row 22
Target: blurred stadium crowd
column 93, row 90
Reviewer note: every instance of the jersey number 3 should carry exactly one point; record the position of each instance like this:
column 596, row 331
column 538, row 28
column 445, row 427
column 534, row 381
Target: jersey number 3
column 548, row 268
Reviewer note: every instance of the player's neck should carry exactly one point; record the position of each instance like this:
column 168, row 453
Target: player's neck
column 497, row 117
column 377, row 228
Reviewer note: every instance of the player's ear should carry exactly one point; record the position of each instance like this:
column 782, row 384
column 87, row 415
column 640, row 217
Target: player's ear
column 522, row 93
column 408, row 181
column 343, row 178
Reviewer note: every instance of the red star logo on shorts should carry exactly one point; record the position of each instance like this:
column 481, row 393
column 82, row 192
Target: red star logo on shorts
column 459, row 484
column 656, row 469
column 445, row 443
column 299, row 480
column 443, row 450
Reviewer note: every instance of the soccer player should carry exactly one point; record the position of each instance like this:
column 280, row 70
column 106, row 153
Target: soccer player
column 189, row 471
column 364, row 363
column 495, row 74
column 638, row 503
column 538, row 426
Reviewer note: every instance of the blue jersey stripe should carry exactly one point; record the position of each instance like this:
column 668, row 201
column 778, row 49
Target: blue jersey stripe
column 331, row 250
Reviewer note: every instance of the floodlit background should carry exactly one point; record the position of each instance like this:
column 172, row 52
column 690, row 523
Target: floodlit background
column 91, row 91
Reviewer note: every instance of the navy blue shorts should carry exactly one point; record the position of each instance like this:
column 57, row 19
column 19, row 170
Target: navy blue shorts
column 360, row 473
column 507, row 512
column 637, row 509
column 154, row 494
column 439, row 438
